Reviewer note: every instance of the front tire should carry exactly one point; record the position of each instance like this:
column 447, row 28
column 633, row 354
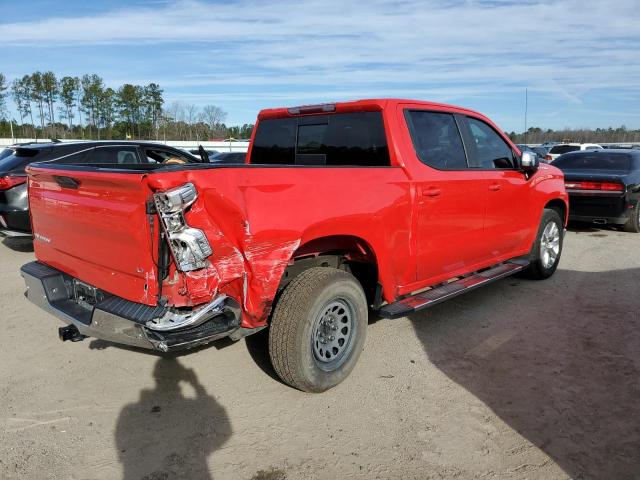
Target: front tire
column 318, row 329
column 546, row 251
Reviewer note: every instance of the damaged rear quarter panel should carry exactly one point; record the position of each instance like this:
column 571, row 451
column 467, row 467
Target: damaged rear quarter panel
column 255, row 218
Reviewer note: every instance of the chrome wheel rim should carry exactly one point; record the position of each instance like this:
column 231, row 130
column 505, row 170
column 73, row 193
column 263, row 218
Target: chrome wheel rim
column 550, row 245
column 333, row 331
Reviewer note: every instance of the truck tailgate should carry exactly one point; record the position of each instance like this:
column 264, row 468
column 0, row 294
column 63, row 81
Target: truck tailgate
column 93, row 226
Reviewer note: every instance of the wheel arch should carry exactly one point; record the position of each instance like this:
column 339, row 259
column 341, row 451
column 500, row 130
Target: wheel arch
column 559, row 206
column 347, row 252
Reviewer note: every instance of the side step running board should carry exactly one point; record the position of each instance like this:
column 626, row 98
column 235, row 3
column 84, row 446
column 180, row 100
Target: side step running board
column 446, row 291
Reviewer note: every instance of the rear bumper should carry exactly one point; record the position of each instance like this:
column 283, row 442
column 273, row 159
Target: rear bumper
column 600, row 208
column 119, row 320
column 599, row 220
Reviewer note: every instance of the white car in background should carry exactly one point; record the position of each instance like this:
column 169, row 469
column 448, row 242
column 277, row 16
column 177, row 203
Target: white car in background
column 561, row 148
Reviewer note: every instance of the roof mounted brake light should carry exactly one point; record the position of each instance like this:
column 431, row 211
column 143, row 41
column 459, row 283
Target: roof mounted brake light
column 320, row 108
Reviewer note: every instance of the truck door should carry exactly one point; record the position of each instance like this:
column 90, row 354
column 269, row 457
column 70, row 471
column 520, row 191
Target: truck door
column 507, row 221
column 450, row 197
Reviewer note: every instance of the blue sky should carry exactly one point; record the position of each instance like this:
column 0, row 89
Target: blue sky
column 579, row 60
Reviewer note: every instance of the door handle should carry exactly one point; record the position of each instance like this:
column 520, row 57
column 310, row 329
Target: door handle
column 431, row 192
column 495, row 187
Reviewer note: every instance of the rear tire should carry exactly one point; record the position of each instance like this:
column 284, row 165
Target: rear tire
column 318, row 329
column 546, row 251
column 633, row 224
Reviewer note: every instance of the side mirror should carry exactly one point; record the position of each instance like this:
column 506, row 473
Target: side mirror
column 529, row 162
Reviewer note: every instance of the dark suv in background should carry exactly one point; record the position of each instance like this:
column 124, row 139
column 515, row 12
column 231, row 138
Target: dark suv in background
column 14, row 206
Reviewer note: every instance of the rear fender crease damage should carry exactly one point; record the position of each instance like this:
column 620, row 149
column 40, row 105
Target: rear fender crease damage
column 243, row 266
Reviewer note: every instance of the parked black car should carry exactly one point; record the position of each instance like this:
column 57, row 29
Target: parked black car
column 14, row 207
column 196, row 152
column 603, row 186
column 536, row 150
column 228, row 157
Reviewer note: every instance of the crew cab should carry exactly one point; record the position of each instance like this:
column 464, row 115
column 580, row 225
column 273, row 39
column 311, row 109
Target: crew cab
column 393, row 205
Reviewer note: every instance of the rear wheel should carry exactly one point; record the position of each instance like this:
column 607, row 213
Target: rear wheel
column 318, row 329
column 547, row 248
column 633, row 224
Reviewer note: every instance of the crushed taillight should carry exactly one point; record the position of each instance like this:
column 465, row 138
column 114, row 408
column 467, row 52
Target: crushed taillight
column 189, row 246
column 10, row 181
column 548, row 158
column 602, row 186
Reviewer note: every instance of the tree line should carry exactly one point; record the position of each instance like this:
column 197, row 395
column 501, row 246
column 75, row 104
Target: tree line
column 84, row 107
column 535, row 135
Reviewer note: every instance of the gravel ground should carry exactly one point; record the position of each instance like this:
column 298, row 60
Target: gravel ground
column 520, row 379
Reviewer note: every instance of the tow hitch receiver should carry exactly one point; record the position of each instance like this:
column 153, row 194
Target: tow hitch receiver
column 70, row 332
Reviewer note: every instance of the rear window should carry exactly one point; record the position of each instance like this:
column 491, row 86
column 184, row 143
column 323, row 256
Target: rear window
column 595, row 161
column 5, row 153
column 564, row 149
column 13, row 160
column 349, row 139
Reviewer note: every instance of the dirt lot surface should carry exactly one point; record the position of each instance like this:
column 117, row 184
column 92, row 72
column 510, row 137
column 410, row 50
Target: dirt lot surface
column 521, row 379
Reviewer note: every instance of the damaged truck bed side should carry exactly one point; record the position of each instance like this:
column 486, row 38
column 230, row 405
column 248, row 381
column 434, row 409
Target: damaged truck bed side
column 390, row 204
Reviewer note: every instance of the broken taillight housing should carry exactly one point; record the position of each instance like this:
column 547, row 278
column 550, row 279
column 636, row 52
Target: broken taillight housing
column 189, row 245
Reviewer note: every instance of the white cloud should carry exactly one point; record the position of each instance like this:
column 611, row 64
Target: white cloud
column 451, row 48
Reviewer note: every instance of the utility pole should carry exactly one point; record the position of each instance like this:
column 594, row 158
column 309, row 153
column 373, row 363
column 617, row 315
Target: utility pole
column 526, row 107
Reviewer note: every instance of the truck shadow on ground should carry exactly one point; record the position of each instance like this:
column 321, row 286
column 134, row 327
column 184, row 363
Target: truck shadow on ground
column 167, row 434
column 558, row 361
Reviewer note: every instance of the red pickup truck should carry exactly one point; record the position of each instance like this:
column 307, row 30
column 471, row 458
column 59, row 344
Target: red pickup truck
column 393, row 205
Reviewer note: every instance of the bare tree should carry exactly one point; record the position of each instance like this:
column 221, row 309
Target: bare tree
column 192, row 116
column 213, row 116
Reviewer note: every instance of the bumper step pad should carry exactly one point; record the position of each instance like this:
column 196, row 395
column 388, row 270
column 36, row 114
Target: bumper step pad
column 116, row 319
column 443, row 292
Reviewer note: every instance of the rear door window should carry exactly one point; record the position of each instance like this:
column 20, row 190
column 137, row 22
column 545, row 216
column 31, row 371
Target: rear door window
column 341, row 139
column 488, row 149
column 436, row 139
column 115, row 155
column 82, row 156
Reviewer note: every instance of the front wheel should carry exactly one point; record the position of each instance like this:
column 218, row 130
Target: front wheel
column 318, row 329
column 546, row 251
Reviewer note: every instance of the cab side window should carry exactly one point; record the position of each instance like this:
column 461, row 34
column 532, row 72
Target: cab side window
column 488, row 148
column 437, row 140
